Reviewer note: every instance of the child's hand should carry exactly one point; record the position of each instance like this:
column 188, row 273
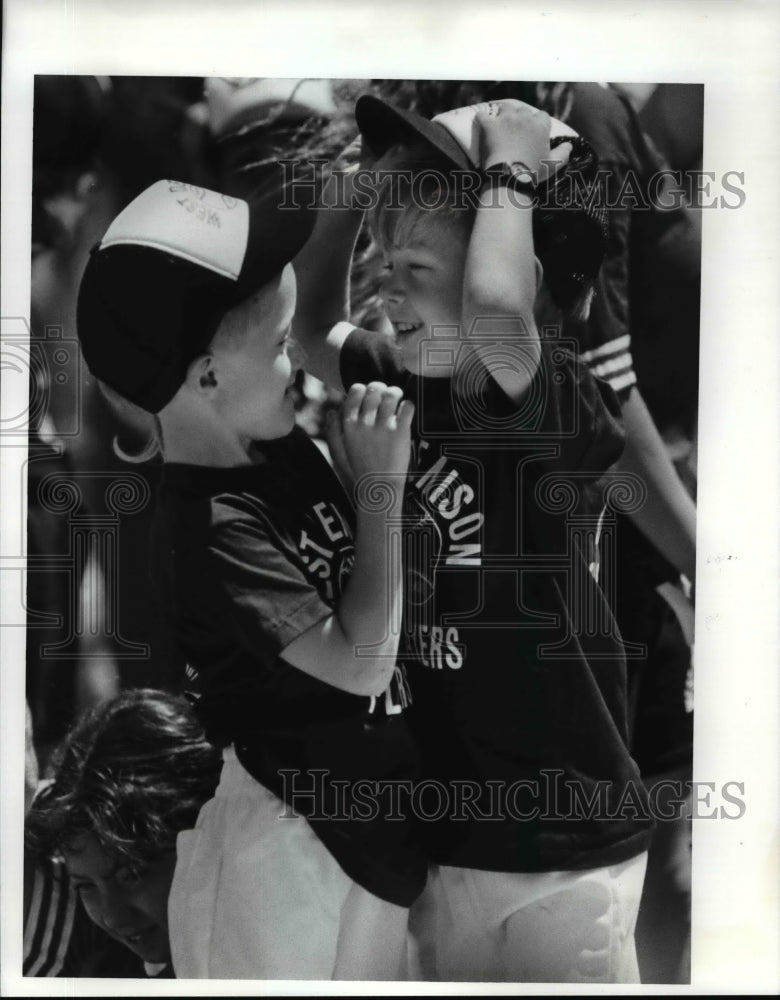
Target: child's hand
column 334, row 435
column 513, row 132
column 376, row 424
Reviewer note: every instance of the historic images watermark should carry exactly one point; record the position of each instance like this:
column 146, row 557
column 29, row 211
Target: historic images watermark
column 548, row 797
column 307, row 184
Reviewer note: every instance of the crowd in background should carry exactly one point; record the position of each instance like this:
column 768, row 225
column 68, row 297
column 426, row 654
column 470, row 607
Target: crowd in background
column 93, row 629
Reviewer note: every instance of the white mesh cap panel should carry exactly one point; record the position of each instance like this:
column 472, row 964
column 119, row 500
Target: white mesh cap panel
column 190, row 222
column 460, row 124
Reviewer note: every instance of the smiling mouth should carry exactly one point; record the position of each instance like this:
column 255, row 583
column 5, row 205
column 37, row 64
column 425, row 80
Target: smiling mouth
column 136, row 940
column 404, row 329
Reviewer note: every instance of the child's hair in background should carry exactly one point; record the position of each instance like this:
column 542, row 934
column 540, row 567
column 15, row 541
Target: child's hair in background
column 133, row 773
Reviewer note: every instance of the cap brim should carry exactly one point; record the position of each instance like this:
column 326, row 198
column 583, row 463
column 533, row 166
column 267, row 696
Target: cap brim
column 383, row 126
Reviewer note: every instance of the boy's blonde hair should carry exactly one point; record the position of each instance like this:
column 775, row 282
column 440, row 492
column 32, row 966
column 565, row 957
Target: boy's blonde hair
column 404, row 206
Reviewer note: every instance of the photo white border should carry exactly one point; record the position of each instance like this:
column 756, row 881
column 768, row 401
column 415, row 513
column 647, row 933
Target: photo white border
column 732, row 48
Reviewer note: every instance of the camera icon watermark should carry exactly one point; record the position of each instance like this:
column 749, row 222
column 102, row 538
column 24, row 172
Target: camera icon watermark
column 480, row 410
column 34, row 369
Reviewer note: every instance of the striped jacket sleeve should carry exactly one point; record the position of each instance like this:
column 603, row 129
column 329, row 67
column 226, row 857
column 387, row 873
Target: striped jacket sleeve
column 60, row 939
column 49, row 926
column 612, row 362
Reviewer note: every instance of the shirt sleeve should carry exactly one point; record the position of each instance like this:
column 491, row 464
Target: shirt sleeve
column 261, row 586
column 604, row 338
column 49, row 926
column 579, row 411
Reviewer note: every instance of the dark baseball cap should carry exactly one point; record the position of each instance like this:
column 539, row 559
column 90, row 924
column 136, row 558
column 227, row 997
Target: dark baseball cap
column 169, row 267
column 382, row 125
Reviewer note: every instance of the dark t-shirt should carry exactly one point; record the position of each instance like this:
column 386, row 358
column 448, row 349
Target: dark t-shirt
column 516, row 669
column 247, row 559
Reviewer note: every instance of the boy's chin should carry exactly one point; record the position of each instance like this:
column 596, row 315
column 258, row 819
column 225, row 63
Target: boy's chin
column 288, row 426
column 412, row 348
column 280, row 429
column 285, row 427
column 286, row 416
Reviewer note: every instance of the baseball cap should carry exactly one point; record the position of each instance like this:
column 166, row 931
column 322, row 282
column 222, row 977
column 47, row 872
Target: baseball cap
column 451, row 133
column 569, row 220
column 382, row 125
column 168, row 268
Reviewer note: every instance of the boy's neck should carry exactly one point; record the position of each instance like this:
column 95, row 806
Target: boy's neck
column 214, row 458
column 189, row 441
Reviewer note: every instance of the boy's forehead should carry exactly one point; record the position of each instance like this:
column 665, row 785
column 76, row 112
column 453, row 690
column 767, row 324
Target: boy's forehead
column 86, row 857
column 432, row 232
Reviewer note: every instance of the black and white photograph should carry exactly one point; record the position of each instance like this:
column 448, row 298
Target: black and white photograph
column 374, row 457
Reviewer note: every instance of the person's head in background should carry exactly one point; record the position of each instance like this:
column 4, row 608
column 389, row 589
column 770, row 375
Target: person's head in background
column 256, row 121
column 131, row 775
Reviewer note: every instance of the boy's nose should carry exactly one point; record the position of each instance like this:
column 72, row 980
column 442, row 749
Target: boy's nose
column 391, row 289
column 117, row 915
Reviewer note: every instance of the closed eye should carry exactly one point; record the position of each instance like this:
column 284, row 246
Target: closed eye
column 129, row 876
column 410, row 266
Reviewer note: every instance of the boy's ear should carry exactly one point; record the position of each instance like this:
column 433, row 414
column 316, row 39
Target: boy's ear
column 539, row 273
column 201, row 375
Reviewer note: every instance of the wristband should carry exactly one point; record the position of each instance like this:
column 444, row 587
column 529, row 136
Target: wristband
column 515, row 175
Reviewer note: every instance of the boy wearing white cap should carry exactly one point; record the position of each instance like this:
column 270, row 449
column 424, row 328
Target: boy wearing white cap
column 516, row 669
column 283, row 600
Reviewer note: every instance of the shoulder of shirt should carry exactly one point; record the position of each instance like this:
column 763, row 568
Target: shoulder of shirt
column 248, row 512
column 263, row 510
